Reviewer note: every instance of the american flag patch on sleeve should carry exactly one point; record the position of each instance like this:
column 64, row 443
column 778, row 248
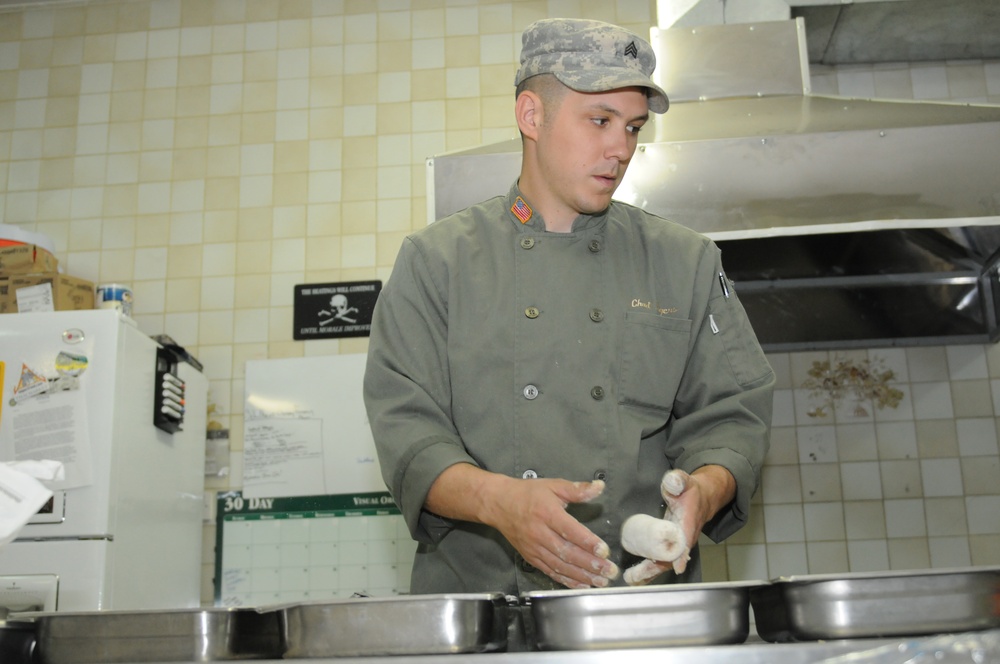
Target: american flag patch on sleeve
column 521, row 210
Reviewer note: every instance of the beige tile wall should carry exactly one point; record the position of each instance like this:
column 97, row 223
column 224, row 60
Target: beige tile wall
column 214, row 154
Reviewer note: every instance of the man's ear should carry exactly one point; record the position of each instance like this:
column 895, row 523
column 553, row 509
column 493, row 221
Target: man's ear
column 528, row 112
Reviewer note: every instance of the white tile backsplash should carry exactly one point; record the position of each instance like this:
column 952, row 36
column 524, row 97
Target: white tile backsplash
column 905, row 518
column 780, row 484
column 821, row 482
column 748, row 561
column 901, row 478
column 927, row 363
column 856, row 442
column 932, row 400
column 966, row 362
column 783, row 410
column 868, row 555
column 946, row 517
column 787, row 559
column 817, row 444
column 980, row 475
column 941, row 477
column 827, row 557
column 784, row 523
column 949, row 552
column 896, row 440
column 909, row 553
column 861, row 480
column 824, row 521
column 977, row 436
column 864, row 519
column 984, row 514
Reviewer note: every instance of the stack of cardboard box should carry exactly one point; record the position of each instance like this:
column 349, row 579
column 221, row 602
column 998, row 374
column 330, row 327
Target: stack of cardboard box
column 23, row 265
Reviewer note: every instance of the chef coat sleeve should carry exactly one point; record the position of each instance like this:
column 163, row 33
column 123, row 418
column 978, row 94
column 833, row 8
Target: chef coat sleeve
column 407, row 389
column 722, row 412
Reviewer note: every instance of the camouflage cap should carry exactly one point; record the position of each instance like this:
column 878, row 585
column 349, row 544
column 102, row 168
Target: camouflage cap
column 590, row 56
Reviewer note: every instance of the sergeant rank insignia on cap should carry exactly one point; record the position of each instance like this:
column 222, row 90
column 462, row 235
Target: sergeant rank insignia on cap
column 521, row 210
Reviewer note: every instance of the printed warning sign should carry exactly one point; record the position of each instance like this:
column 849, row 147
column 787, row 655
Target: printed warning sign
column 30, row 384
column 331, row 311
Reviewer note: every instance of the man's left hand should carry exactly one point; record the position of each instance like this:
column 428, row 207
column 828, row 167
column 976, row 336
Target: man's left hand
column 691, row 501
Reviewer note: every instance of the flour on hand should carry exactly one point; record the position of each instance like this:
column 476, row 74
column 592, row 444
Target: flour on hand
column 660, row 541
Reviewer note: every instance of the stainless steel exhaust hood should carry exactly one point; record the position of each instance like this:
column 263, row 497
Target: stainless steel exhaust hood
column 845, row 223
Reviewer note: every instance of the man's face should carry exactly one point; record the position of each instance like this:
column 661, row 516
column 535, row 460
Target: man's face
column 585, row 147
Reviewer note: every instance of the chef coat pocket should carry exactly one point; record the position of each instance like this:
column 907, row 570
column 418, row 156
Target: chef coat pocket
column 746, row 359
column 654, row 352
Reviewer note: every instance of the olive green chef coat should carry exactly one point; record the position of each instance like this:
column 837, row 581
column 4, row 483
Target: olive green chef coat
column 616, row 351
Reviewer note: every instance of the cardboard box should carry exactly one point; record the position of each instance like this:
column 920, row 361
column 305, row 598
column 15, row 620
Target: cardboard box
column 19, row 258
column 67, row 292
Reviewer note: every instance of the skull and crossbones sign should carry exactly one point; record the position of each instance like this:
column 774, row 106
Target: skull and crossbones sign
column 340, row 310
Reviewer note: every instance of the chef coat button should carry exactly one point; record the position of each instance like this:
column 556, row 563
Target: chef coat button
column 596, row 315
column 597, row 392
column 526, row 566
column 527, row 242
column 530, row 392
column 601, row 475
column 594, row 246
column 529, row 475
column 531, row 312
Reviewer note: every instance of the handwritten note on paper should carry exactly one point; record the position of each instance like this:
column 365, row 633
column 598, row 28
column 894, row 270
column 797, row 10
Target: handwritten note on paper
column 324, row 388
column 236, row 583
column 283, row 457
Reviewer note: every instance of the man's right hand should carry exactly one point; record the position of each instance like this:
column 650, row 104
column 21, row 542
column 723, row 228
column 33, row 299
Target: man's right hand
column 532, row 515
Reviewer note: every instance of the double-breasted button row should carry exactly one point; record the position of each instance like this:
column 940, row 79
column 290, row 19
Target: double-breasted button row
column 531, row 392
column 596, row 315
column 529, row 242
column 531, row 474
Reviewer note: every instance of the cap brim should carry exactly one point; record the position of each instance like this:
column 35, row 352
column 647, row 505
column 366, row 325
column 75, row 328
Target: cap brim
column 658, row 101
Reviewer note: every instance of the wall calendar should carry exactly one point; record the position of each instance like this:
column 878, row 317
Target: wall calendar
column 309, row 548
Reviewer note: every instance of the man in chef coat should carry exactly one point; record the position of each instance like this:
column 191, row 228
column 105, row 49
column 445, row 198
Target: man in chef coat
column 538, row 362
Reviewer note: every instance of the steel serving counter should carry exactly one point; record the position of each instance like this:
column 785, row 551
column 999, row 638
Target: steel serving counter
column 967, row 648
column 907, row 617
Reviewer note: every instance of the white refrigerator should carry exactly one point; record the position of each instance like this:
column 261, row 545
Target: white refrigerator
column 127, row 416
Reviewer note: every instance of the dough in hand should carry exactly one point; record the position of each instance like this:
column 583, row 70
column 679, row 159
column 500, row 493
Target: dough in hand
column 642, row 573
column 656, row 539
column 660, row 541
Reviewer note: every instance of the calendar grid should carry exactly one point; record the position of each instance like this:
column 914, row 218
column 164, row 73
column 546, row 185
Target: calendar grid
column 309, row 548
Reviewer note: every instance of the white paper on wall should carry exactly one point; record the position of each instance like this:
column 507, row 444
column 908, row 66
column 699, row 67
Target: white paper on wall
column 305, row 428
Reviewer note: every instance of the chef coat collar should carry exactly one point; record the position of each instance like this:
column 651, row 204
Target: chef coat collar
column 524, row 216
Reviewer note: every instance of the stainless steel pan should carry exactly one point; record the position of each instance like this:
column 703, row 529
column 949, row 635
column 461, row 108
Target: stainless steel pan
column 183, row 635
column 878, row 604
column 643, row 617
column 404, row 625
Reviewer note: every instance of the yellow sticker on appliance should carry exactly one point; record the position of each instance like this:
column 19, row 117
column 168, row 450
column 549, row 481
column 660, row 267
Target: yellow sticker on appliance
column 68, row 364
